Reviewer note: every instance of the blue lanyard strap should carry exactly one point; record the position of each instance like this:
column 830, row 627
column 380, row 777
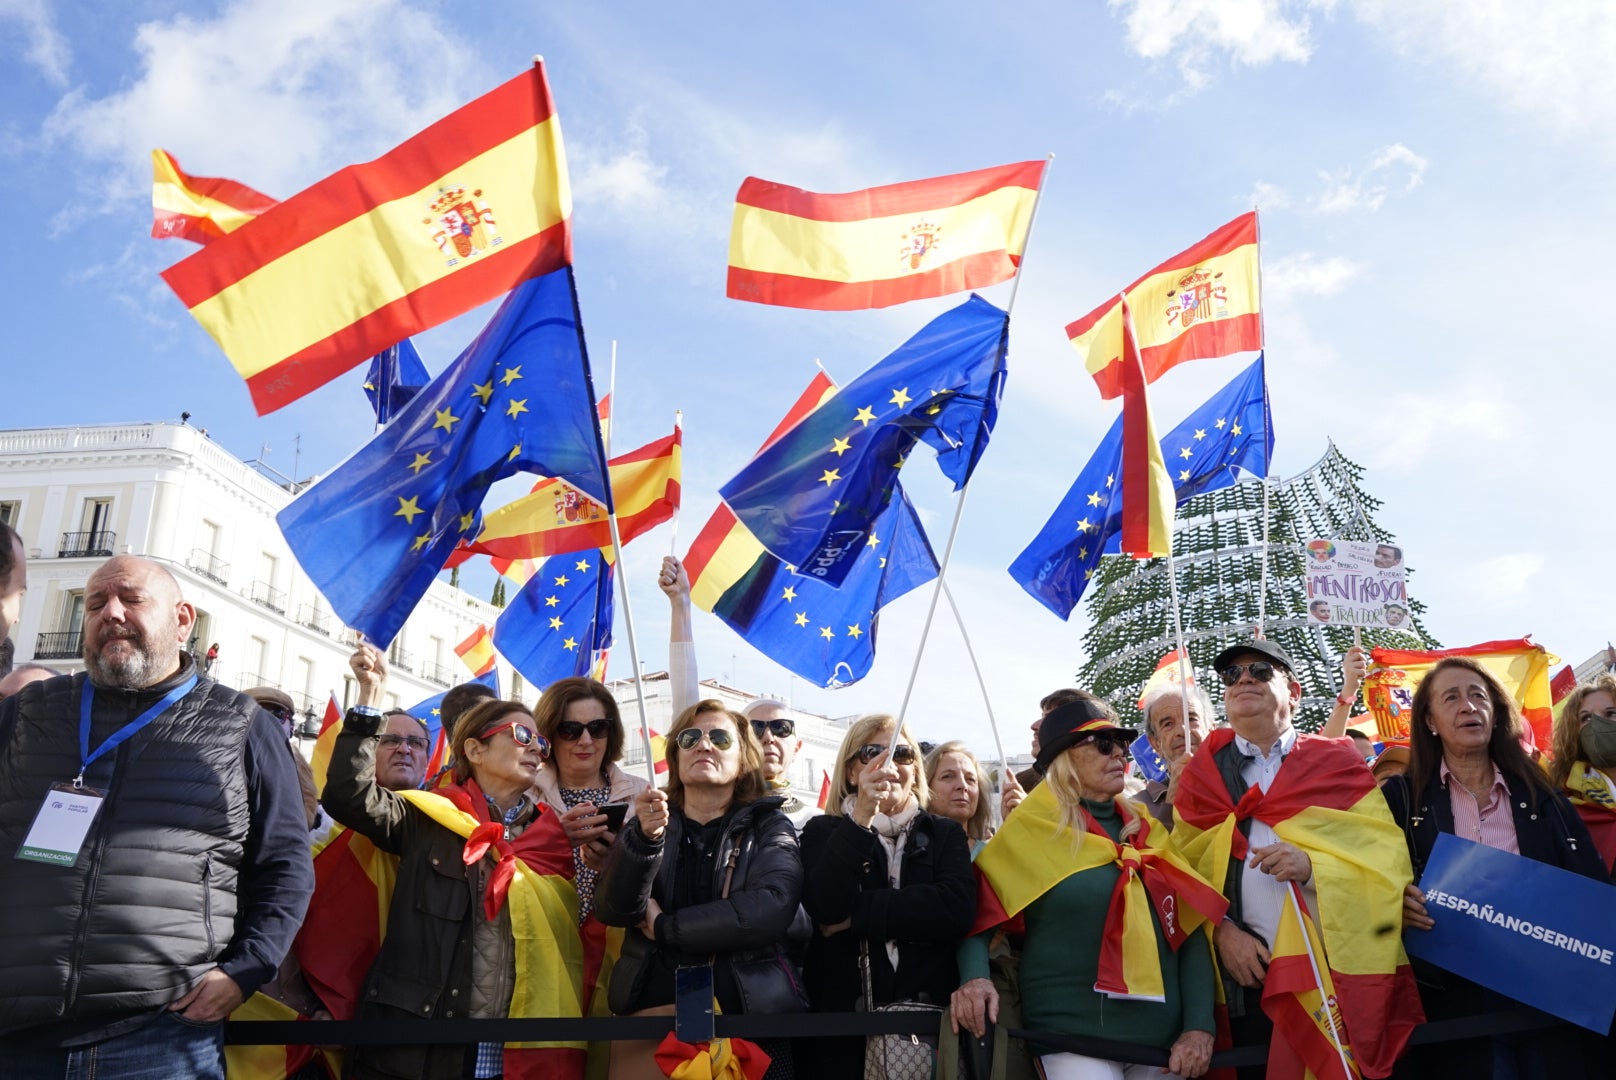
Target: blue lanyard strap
column 117, row 738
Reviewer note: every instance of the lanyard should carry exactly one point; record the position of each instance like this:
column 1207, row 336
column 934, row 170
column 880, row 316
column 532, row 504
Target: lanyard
column 117, row 738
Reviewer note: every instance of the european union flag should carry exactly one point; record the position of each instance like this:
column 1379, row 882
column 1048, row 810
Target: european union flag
column 429, row 712
column 374, row 533
column 1232, row 431
column 827, row 635
column 812, row 497
column 396, row 375
column 559, row 619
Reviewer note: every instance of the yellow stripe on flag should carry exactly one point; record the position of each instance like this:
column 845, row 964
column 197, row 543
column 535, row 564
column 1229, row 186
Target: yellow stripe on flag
column 343, row 275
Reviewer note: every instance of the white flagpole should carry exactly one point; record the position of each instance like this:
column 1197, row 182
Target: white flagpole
column 673, row 533
column 987, row 702
column 1262, row 578
column 1183, row 653
column 1318, row 980
column 959, row 500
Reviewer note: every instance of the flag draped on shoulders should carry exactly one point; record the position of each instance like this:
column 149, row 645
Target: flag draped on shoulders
column 881, row 246
column 1033, row 852
column 560, row 619
column 199, row 208
column 1203, row 302
column 1232, row 431
column 1589, row 792
column 463, row 211
column 373, row 533
column 822, row 633
column 812, row 496
column 347, row 920
column 1326, row 803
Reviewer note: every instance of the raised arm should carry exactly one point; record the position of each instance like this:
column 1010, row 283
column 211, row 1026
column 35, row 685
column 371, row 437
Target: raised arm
column 683, row 682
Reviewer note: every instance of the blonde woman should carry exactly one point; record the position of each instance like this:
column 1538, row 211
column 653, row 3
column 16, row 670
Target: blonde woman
column 957, row 783
column 1584, row 766
column 1085, row 970
column 885, row 878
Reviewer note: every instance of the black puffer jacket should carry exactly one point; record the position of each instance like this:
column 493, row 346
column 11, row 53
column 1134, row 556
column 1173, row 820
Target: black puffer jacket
column 746, row 931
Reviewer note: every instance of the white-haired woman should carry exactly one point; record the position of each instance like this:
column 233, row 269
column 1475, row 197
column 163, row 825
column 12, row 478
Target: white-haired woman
column 888, row 885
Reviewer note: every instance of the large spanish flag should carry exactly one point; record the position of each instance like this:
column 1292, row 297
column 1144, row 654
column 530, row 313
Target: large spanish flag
column 347, row 919
column 1325, row 802
column 199, row 208
column 881, row 246
column 556, row 518
column 1201, row 303
column 464, row 211
column 1148, row 495
column 1520, row 666
column 724, row 551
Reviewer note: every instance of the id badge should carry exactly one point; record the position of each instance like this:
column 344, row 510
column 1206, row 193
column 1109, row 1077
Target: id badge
column 61, row 825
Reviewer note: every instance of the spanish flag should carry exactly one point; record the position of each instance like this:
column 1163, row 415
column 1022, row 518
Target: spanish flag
column 556, row 518
column 272, row 1062
column 477, row 651
column 1029, row 855
column 1325, row 802
column 464, row 211
column 199, row 208
column 347, row 919
column 1201, row 303
column 325, row 745
column 1520, row 666
column 1148, row 496
column 881, row 246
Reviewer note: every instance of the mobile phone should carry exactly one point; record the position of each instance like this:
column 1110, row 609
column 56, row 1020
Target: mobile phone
column 693, row 1003
column 615, row 813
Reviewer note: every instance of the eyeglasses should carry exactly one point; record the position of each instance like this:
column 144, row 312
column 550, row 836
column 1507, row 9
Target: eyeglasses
column 780, row 729
column 902, row 754
column 1261, row 670
column 524, row 736
column 414, row 742
column 1106, row 744
column 572, row 730
column 279, row 712
column 691, row 737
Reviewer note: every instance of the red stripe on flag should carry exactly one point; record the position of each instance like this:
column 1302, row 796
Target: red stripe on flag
column 1220, row 337
column 708, row 541
column 428, row 305
column 1136, row 502
column 911, row 197
column 497, row 116
column 788, row 290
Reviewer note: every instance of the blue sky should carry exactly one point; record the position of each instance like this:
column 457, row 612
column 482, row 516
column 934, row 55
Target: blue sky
column 1433, row 179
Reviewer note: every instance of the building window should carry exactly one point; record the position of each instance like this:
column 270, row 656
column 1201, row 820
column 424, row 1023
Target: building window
column 10, row 512
column 67, row 641
column 95, row 537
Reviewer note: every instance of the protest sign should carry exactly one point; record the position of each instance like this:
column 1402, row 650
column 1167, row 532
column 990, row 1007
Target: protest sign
column 1356, row 583
column 1530, row 931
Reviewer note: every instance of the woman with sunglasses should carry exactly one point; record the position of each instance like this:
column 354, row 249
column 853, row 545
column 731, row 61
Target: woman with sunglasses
column 474, row 855
column 889, row 888
column 707, row 874
column 1085, row 969
column 580, row 719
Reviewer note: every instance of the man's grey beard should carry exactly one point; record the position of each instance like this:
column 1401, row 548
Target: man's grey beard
column 133, row 670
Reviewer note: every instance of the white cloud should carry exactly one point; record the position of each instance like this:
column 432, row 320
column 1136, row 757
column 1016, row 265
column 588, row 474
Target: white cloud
column 1549, row 59
column 1192, row 33
column 1392, row 170
column 273, row 93
column 1306, row 274
column 43, row 46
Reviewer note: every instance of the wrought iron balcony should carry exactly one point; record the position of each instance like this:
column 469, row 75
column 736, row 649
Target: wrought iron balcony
column 82, row 545
column 59, row 645
column 401, row 660
column 209, row 566
column 437, row 673
column 311, row 616
column 266, row 595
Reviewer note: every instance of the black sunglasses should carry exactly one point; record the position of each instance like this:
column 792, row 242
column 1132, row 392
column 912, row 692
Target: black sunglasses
column 780, row 728
column 1261, row 670
column 690, row 738
column 279, row 712
column 572, row 730
column 902, row 754
column 1106, row 744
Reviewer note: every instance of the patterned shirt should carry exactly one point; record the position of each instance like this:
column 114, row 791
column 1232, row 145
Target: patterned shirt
column 1490, row 822
column 583, row 876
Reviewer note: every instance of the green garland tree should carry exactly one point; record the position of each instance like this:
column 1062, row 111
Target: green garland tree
column 1218, row 543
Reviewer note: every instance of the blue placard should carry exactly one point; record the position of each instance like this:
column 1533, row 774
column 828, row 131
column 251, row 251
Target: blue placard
column 1530, row 931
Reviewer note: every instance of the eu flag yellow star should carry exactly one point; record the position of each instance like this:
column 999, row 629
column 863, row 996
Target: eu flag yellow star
column 555, row 622
column 831, row 476
column 854, row 631
column 421, row 542
column 1235, row 430
column 551, row 601
column 581, row 565
column 516, row 408
column 511, row 374
column 1184, row 476
column 1084, row 525
column 408, row 508
column 1200, row 433
column 467, row 520
column 446, row 419
column 900, row 398
column 789, row 594
column 562, row 581
column 840, row 446
column 872, row 541
column 421, row 461
column 571, row 644
column 1095, row 499
column 826, row 633
column 483, row 391
column 865, row 416
column 802, row 618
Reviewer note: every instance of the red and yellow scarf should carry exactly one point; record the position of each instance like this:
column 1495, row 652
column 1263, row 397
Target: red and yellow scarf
column 1590, row 794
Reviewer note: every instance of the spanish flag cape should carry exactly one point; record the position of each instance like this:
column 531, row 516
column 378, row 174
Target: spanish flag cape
column 533, row 876
column 1350, row 952
column 1034, row 852
column 1590, row 794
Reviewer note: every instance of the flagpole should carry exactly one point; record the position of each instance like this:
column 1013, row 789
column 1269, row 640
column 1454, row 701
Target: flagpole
column 622, row 586
column 1183, row 653
column 959, row 501
column 987, row 702
column 1262, row 573
column 673, row 534
column 1318, row 979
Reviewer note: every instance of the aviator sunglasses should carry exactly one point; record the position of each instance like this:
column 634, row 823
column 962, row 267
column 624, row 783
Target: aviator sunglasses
column 1261, row 670
column 1106, row 744
column 902, row 754
column 572, row 730
column 690, row 738
column 524, row 736
column 780, row 728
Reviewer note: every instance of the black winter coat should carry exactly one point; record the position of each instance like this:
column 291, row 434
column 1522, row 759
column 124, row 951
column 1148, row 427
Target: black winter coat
column 745, row 930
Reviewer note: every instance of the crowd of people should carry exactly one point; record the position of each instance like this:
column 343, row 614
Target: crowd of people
column 171, row 861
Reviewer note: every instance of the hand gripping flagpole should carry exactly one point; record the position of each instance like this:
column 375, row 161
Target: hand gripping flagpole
column 622, row 587
column 959, row 500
